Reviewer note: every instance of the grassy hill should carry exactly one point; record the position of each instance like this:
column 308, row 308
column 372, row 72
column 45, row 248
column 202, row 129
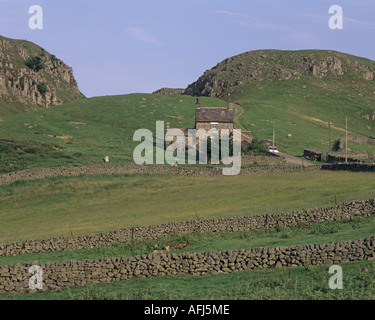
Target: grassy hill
column 302, row 90
column 85, row 131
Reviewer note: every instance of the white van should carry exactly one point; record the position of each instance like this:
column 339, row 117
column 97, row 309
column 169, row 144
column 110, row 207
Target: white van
column 272, row 149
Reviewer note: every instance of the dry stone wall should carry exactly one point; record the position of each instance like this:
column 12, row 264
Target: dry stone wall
column 359, row 167
column 333, row 157
column 362, row 208
column 41, row 173
column 269, row 160
column 56, row 276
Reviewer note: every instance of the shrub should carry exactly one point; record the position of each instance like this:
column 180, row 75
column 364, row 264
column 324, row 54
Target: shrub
column 42, row 88
column 35, row 63
column 324, row 228
column 336, row 145
column 53, row 58
column 258, row 146
column 22, row 83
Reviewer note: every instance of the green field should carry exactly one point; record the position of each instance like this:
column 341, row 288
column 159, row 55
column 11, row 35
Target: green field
column 319, row 233
column 66, row 206
column 302, row 106
column 309, row 282
column 85, row 131
column 356, row 147
column 306, row 119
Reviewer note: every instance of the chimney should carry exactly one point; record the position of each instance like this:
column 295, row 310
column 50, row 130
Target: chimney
column 197, row 105
column 168, row 125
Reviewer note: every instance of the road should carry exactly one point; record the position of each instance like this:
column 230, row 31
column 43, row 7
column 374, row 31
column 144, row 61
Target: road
column 296, row 160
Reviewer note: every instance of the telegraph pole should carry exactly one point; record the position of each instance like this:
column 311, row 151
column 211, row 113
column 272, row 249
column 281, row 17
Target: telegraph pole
column 329, row 139
column 273, row 136
column 346, row 140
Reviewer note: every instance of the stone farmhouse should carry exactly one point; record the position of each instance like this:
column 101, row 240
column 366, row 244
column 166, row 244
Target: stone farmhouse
column 213, row 118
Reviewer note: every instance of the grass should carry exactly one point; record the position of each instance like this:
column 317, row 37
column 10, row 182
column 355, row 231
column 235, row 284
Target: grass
column 303, row 107
column 89, row 204
column 299, row 283
column 318, row 233
column 357, row 147
column 17, row 155
column 86, row 131
column 306, row 119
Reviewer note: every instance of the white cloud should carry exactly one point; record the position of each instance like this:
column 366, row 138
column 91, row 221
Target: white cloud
column 245, row 20
column 141, row 35
column 370, row 25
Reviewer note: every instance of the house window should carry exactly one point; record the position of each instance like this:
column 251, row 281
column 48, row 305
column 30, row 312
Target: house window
column 214, row 125
column 181, row 143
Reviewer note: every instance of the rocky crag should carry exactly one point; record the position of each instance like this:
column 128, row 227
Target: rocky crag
column 270, row 65
column 31, row 78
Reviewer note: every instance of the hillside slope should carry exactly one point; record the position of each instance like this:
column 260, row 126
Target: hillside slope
column 85, row 131
column 234, row 74
column 303, row 91
column 31, row 78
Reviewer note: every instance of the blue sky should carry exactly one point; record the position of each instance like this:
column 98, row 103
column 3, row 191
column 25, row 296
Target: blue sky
column 119, row 47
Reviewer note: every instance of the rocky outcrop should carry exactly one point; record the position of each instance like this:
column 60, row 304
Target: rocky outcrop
column 269, row 65
column 169, row 91
column 31, row 78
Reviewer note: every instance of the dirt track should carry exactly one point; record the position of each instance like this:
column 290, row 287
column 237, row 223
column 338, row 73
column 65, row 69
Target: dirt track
column 296, row 160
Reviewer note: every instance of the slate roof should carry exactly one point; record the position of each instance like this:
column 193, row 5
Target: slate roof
column 214, row 115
